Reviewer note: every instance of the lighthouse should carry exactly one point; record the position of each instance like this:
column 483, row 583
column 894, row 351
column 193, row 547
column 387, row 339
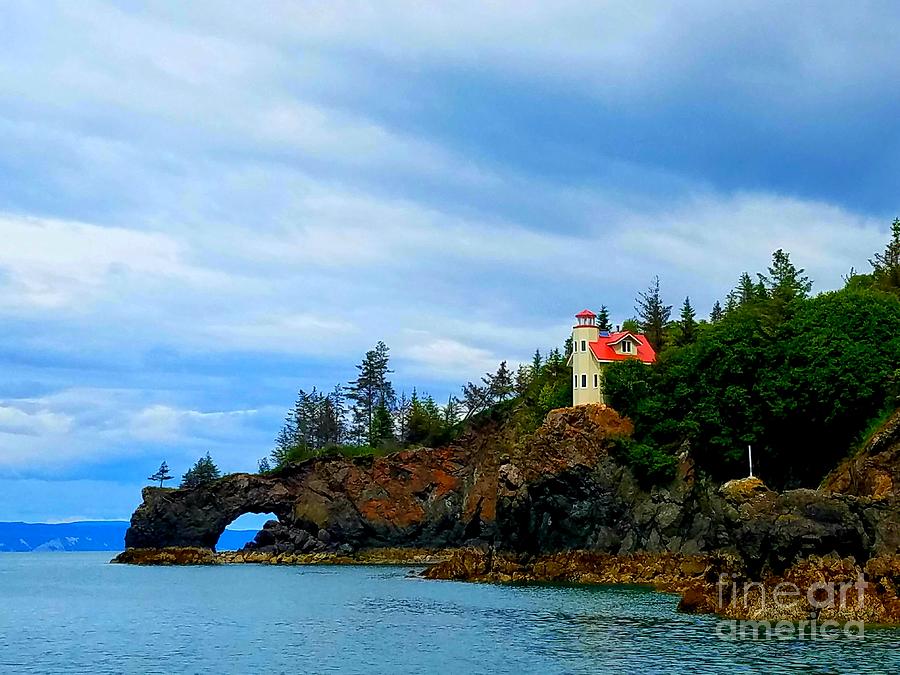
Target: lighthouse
column 594, row 349
column 585, row 387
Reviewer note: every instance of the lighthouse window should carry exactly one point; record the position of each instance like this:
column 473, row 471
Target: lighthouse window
column 596, row 380
column 583, row 346
column 576, row 382
column 584, row 381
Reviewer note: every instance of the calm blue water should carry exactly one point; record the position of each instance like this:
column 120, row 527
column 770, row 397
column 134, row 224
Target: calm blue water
column 72, row 612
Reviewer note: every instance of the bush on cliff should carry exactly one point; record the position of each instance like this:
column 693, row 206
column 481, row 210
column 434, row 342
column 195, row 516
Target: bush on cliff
column 202, row 473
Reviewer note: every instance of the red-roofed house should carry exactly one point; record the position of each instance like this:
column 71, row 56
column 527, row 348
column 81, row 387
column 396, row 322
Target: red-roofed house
column 593, row 349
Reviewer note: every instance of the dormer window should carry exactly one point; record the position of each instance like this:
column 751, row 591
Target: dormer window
column 626, row 346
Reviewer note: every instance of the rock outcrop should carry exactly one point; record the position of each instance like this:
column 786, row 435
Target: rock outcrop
column 875, row 470
column 427, row 498
column 558, row 490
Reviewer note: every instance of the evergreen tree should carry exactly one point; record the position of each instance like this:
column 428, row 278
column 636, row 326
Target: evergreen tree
column 536, row 363
column 716, row 314
column 747, row 291
column 603, row 319
column 631, row 326
column 306, row 418
column 474, row 399
column 417, row 425
column 161, row 475
column 263, row 466
column 886, row 265
column 284, row 444
column 402, row 415
column 687, row 323
column 451, row 412
column 523, row 379
column 371, row 389
column 337, row 409
column 785, row 282
column 382, row 426
column 499, row 384
column 555, row 359
column 653, row 315
column 731, row 302
column 202, row 473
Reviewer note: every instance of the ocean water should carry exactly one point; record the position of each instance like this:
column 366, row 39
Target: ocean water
column 73, row 612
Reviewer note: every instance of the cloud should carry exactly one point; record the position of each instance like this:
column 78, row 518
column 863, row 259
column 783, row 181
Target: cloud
column 18, row 421
column 53, row 264
column 164, row 423
column 442, row 357
column 51, row 434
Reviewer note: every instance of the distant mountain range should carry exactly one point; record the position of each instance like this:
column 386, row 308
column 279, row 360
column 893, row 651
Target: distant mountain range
column 87, row 536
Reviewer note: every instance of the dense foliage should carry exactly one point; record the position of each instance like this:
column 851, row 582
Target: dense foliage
column 798, row 378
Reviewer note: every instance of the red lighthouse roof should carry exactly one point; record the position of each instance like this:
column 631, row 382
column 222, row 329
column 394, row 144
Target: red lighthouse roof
column 585, row 314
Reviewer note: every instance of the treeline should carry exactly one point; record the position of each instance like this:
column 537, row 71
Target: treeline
column 800, row 378
column 366, row 416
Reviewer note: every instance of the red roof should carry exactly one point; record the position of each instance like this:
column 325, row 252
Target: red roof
column 604, row 351
column 585, row 314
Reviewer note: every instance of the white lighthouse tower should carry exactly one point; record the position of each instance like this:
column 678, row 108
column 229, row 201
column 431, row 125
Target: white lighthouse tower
column 586, row 385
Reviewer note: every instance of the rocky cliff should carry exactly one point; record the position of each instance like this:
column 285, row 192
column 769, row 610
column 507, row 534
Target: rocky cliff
column 875, row 470
column 558, row 489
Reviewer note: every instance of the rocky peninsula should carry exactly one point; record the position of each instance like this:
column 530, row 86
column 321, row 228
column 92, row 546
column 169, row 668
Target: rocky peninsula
column 557, row 505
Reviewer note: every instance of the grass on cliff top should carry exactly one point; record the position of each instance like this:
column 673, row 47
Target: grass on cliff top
column 302, row 454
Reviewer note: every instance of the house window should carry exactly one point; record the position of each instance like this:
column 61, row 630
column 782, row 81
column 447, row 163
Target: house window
column 626, row 346
column 596, row 380
column 583, row 346
column 584, row 381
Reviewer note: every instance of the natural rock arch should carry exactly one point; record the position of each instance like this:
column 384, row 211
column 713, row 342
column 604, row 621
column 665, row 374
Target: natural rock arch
column 198, row 517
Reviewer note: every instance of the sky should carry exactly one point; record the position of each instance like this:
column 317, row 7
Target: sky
column 206, row 206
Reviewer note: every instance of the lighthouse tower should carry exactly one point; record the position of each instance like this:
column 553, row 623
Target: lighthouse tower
column 586, row 387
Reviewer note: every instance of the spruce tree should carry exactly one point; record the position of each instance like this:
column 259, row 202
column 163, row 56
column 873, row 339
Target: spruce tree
column 523, row 379
column 475, row 398
column 371, row 389
column 536, row 363
column 716, row 314
column 161, row 475
column 202, row 473
column 785, row 282
column 687, row 323
column 500, row 384
column 451, row 412
column 653, row 315
column 603, row 319
column 382, row 426
column 402, row 416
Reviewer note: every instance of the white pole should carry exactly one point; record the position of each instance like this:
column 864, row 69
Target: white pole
column 750, row 458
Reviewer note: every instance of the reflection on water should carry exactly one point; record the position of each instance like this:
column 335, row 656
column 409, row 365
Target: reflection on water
column 74, row 613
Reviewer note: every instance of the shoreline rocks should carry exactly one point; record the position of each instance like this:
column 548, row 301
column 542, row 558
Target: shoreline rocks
column 552, row 506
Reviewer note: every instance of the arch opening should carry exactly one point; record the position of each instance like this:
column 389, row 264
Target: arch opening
column 243, row 530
